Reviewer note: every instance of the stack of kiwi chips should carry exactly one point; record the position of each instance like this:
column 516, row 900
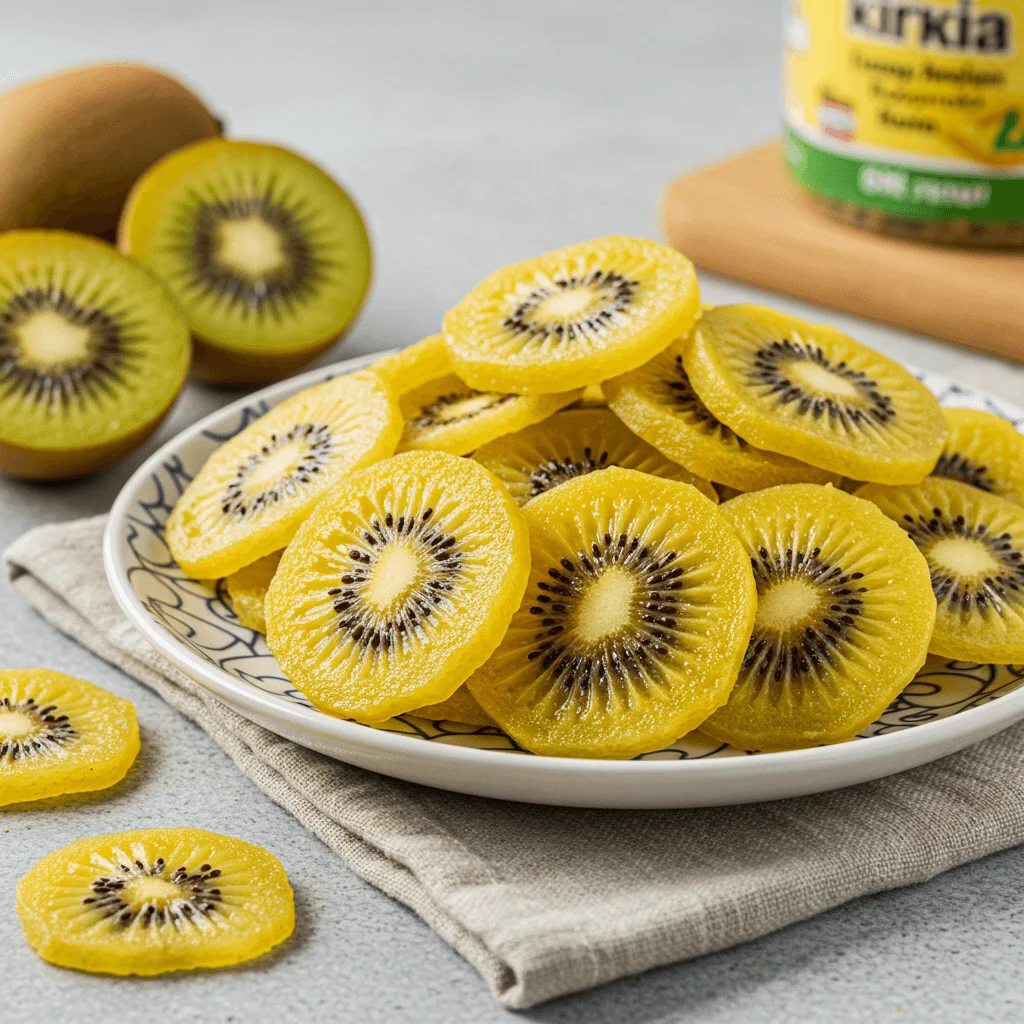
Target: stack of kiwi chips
column 516, row 521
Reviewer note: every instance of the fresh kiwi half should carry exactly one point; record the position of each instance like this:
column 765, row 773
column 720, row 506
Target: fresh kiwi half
column 247, row 589
column 398, row 586
column 634, row 622
column 60, row 735
column 571, row 444
column 814, row 393
column 974, row 546
column 93, row 354
column 449, row 416
column 257, row 489
column 844, row 616
column 414, row 366
column 267, row 256
column 572, row 317
column 985, row 451
column 155, row 900
column 657, row 402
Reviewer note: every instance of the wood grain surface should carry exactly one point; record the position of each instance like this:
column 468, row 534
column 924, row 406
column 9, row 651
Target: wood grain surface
column 745, row 220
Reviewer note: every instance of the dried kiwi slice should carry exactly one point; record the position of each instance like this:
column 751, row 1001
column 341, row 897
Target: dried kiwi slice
column 398, row 586
column 634, row 623
column 657, row 402
column 414, row 366
column 60, row 735
column 814, row 393
column 257, row 489
column 844, row 615
column 93, row 354
column 448, row 416
column 974, row 546
column 247, row 590
column 266, row 255
column 571, row 444
column 461, row 706
column 572, row 317
column 985, row 451
column 155, row 900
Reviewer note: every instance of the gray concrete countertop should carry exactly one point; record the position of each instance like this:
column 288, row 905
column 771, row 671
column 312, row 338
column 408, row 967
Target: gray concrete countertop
column 472, row 134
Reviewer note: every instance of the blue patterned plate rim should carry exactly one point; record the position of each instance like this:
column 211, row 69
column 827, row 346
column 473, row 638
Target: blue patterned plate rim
column 940, row 734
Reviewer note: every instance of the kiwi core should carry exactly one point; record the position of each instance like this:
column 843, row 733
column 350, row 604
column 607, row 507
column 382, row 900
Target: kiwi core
column 568, row 304
column 821, row 379
column 275, row 467
column 394, row 575
column 48, row 340
column 606, row 606
column 963, row 557
column 150, row 889
column 250, row 246
column 16, row 724
column 789, row 603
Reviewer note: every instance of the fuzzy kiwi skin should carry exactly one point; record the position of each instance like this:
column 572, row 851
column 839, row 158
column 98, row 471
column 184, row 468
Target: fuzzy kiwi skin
column 72, row 145
column 70, row 463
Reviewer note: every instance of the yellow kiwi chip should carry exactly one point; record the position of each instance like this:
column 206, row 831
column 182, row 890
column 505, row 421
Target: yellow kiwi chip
column 815, row 394
column 155, row 900
column 572, row 317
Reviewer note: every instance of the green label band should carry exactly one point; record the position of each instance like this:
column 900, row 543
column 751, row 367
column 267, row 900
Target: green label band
column 901, row 190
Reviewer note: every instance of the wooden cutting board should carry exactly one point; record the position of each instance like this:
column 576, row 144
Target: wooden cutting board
column 745, row 220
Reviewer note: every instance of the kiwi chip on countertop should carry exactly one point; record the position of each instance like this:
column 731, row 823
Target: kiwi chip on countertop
column 974, row 546
column 93, row 354
column 571, row 444
column 266, row 255
column 815, row 394
column 844, row 616
column 257, row 489
column 634, row 622
column 658, row 402
column 572, row 317
column 446, row 415
column 398, row 586
column 985, row 451
column 155, row 900
column 61, row 735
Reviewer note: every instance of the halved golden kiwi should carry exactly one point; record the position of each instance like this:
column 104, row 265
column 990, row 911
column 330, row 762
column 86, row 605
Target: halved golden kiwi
column 634, row 623
column 658, row 402
column 974, row 546
column 265, row 254
column 844, row 616
column 985, row 451
column 93, row 354
column 815, row 394
column 571, row 444
column 257, row 489
column 572, row 317
column 398, row 586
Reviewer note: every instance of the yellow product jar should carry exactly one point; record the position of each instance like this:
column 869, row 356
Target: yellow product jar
column 907, row 116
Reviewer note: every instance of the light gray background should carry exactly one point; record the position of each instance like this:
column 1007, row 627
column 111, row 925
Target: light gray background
column 472, row 134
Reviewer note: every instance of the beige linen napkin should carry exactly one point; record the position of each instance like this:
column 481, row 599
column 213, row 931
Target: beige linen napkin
column 545, row 901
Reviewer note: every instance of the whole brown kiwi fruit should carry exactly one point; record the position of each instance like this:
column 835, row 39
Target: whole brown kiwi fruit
column 73, row 144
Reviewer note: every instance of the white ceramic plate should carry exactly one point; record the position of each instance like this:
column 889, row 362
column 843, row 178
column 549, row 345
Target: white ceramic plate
column 948, row 706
